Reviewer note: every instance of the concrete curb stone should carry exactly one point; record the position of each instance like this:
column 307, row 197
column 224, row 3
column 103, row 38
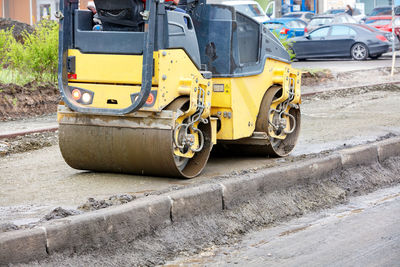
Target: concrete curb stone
column 240, row 190
column 359, row 155
column 388, row 148
column 199, row 200
column 22, row 246
column 121, row 223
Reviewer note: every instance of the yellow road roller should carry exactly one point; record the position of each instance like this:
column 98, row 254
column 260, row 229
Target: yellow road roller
column 150, row 88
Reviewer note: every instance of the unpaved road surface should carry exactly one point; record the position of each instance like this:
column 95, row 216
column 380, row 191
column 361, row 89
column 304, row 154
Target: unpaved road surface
column 35, row 182
column 364, row 232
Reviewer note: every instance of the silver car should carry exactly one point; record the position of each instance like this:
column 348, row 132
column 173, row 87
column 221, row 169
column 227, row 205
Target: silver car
column 328, row 19
column 304, row 16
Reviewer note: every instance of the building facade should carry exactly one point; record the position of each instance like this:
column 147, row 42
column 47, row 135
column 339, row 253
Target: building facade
column 31, row 11
column 21, row 10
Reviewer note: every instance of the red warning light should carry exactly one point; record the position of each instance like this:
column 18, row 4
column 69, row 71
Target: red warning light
column 76, row 94
column 72, row 76
column 150, row 99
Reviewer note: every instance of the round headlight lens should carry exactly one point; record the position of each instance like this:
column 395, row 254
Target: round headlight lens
column 86, row 98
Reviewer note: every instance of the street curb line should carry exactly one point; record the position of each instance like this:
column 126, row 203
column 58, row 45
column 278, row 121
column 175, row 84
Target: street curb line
column 22, row 246
column 16, row 134
column 127, row 222
column 349, row 88
column 120, row 223
column 359, row 155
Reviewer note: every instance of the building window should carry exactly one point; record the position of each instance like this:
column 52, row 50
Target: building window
column 45, row 11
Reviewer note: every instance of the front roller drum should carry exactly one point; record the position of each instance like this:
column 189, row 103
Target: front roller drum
column 143, row 151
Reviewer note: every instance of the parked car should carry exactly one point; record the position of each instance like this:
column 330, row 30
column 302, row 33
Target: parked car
column 357, row 13
column 388, row 35
column 327, row 19
column 249, row 8
column 286, row 27
column 341, row 40
column 384, row 23
column 304, row 16
column 382, row 11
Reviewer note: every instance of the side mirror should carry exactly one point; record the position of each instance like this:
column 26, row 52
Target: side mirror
column 307, row 36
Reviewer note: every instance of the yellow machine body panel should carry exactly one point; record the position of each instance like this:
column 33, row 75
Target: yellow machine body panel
column 110, row 69
column 113, row 78
column 236, row 101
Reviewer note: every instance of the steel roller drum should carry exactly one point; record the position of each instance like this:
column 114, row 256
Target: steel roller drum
column 130, row 147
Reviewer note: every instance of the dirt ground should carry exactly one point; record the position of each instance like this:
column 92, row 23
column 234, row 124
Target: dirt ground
column 27, row 101
column 325, row 79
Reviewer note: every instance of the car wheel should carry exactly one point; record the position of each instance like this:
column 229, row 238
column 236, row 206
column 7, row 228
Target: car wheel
column 359, row 51
column 375, row 56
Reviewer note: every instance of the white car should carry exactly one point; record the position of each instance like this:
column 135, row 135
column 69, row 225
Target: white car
column 249, row 8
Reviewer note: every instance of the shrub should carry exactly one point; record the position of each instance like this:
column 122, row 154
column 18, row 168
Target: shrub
column 287, row 43
column 36, row 57
column 5, row 38
column 41, row 50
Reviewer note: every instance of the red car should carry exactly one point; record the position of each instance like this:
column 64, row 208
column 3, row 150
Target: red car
column 384, row 23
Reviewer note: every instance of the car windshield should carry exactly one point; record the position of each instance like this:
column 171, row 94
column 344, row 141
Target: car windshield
column 381, row 11
column 292, row 16
column 251, row 10
column 377, row 22
column 320, row 21
column 273, row 25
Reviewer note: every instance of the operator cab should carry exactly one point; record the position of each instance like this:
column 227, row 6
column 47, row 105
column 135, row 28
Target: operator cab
column 123, row 15
column 216, row 37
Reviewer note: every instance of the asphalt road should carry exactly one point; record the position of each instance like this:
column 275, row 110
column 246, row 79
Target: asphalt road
column 365, row 232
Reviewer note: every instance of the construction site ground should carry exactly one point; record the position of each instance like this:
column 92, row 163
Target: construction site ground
column 35, row 180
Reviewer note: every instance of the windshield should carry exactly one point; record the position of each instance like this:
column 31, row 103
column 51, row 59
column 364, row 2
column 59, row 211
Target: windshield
column 377, row 22
column 251, row 10
column 273, row 26
column 381, row 11
column 292, row 16
column 320, row 21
